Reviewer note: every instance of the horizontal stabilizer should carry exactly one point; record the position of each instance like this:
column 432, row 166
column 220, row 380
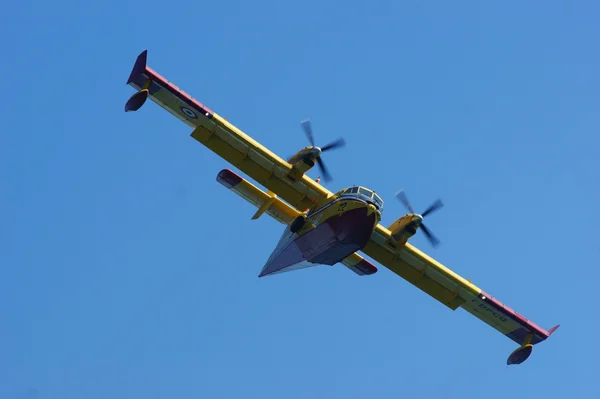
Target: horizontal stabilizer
column 265, row 202
column 359, row 265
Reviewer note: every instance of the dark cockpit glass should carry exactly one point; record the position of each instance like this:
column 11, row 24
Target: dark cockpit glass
column 365, row 194
column 378, row 201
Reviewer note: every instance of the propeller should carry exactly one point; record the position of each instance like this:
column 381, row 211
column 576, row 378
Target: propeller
column 418, row 220
column 307, row 126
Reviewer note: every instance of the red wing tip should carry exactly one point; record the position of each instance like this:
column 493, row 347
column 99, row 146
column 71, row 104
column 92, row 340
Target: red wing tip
column 364, row 268
column 550, row 331
column 228, row 178
column 367, row 267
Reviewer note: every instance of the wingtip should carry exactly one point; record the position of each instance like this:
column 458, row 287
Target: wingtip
column 550, row 331
column 521, row 354
column 139, row 66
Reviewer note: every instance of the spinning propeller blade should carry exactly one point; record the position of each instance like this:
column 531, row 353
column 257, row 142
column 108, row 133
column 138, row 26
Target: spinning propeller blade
column 433, row 207
column 404, row 199
column 333, row 145
column 437, row 204
column 307, row 126
column 308, row 131
column 432, row 239
column 324, row 170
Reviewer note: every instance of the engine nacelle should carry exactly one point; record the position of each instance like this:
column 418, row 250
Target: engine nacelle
column 300, row 167
column 401, row 230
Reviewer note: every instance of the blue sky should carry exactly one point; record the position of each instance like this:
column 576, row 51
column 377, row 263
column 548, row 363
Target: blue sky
column 127, row 271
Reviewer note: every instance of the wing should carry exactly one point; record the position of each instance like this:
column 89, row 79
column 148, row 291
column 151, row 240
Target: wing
column 286, row 256
column 223, row 138
column 454, row 291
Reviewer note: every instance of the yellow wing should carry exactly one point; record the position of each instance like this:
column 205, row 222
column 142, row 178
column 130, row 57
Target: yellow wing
column 454, row 291
column 271, row 171
column 223, row 138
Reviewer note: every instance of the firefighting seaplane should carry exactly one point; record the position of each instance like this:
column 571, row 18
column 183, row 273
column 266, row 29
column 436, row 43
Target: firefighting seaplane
column 322, row 227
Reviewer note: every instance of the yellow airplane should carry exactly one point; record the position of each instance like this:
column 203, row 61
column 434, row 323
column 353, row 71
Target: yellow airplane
column 325, row 228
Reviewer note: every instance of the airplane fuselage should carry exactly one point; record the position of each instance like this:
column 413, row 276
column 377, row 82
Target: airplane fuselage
column 341, row 228
column 329, row 234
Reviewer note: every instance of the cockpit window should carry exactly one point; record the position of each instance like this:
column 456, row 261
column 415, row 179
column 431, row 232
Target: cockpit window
column 378, row 201
column 365, row 192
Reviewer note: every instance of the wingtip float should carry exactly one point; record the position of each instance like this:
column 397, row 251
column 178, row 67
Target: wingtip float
column 322, row 227
column 522, row 353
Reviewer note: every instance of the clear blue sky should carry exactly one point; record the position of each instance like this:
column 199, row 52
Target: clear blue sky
column 127, row 271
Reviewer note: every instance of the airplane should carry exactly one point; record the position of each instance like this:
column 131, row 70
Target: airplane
column 322, row 227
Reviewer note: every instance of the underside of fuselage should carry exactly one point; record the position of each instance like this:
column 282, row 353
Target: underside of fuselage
column 331, row 234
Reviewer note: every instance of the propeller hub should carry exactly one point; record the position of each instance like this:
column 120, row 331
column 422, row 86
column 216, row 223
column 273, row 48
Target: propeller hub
column 314, row 152
column 417, row 219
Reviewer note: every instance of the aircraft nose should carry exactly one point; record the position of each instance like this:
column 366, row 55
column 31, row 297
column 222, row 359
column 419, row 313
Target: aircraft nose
column 316, row 152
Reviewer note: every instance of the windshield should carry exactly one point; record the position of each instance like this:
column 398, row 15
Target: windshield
column 378, row 201
column 365, row 194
